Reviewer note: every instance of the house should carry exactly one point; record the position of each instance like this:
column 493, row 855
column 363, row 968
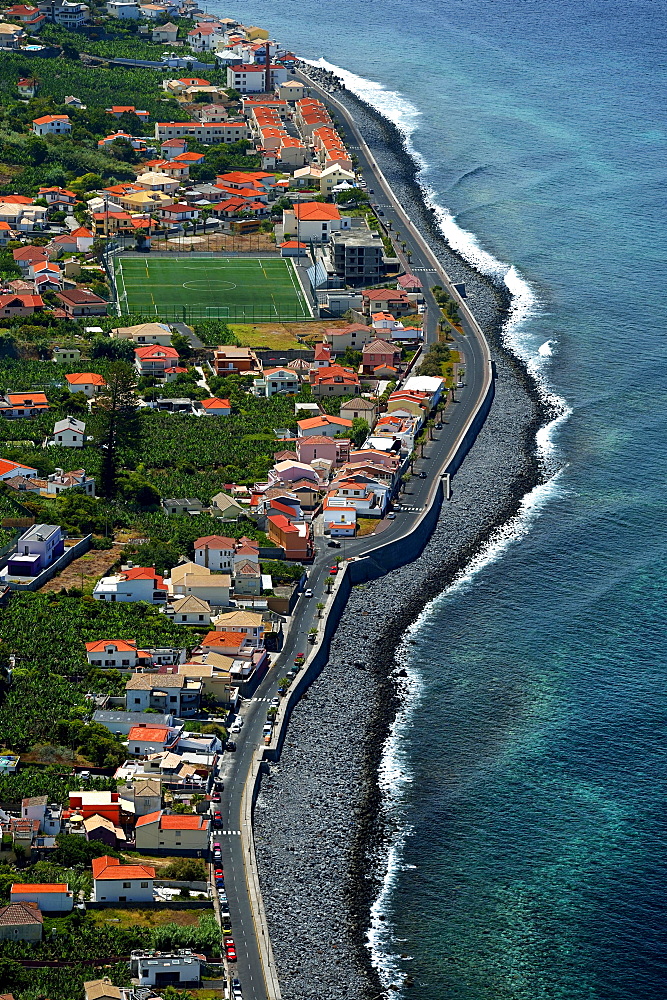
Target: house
column 36, row 549
column 121, row 723
column 164, row 692
column 144, row 794
column 354, row 336
column 52, row 125
column 359, row 409
column 155, row 969
column 154, row 360
column 10, row 37
column 20, row 921
column 77, row 480
column 386, row 300
column 121, row 654
column 324, row 425
column 66, row 355
column 121, row 109
column 27, row 88
column 26, row 256
column 216, row 552
column 227, row 507
column 166, row 833
column 190, row 611
column 234, row 360
column 186, row 505
column 104, row 831
column 379, row 352
column 70, row 15
column 293, row 537
column 74, row 102
column 335, row 381
column 215, row 407
column 276, row 380
column 123, row 10
column 81, row 302
column 146, row 739
column 9, row 470
column 171, row 148
column 137, row 584
column 102, row 989
column 144, row 333
column 250, row 623
column 165, row 33
column 191, row 579
column 313, row 221
column 312, row 446
column 50, row 897
column 87, row 382
column 57, row 197
column 20, row 405
column 20, row 305
column 116, row 883
column 69, row 433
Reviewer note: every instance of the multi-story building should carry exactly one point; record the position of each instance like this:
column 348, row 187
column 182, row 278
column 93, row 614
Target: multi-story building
column 209, row 133
column 357, row 256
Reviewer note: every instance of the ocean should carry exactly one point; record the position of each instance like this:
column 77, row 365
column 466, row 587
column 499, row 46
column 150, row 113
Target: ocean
column 527, row 774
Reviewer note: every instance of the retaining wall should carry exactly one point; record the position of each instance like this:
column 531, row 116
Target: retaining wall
column 68, row 556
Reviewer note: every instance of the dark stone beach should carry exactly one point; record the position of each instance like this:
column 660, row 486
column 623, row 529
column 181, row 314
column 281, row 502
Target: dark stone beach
column 318, row 820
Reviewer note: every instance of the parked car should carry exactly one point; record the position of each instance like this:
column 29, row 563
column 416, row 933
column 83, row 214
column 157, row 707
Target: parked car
column 236, row 727
column 215, row 797
column 275, row 702
column 390, row 517
column 217, row 819
column 230, row 745
column 219, row 872
column 334, row 569
column 333, row 544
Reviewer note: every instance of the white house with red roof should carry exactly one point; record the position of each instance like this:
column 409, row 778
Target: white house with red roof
column 52, row 125
column 314, row 221
column 141, row 583
column 121, row 654
column 22, row 304
column 145, row 739
column 57, row 196
column 167, row 833
column 216, row 552
column 215, row 407
column 171, row 148
column 326, row 425
column 50, row 897
column 86, row 382
column 154, row 360
column 9, row 469
column 354, row 336
column 116, row 883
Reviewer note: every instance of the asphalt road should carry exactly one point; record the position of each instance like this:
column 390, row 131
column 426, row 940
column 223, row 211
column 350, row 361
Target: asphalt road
column 236, row 766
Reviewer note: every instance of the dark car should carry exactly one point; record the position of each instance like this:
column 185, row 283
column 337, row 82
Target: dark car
column 215, row 797
column 334, row 545
column 217, row 819
column 422, row 475
column 230, row 745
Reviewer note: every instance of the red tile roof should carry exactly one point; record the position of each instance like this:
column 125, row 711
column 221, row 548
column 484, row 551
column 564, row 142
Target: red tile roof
column 316, row 211
column 148, row 734
column 85, row 378
column 39, row 887
column 215, row 542
column 149, row 818
column 121, row 646
column 184, row 822
column 224, row 639
column 110, row 868
column 216, row 404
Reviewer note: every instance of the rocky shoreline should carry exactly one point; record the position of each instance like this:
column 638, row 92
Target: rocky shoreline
column 319, row 826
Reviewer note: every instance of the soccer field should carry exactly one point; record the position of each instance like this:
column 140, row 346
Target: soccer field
column 236, row 288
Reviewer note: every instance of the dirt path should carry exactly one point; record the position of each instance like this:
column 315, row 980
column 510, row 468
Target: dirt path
column 91, row 564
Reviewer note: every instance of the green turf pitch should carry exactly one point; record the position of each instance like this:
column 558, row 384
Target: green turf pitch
column 238, row 288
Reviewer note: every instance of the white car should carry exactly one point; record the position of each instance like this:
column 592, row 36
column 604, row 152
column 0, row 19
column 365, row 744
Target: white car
column 308, row 593
column 236, row 727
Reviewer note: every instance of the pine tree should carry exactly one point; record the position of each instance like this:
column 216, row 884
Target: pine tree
column 120, row 422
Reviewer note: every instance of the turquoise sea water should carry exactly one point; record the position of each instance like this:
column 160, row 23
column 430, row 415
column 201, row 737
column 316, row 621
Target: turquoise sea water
column 534, row 860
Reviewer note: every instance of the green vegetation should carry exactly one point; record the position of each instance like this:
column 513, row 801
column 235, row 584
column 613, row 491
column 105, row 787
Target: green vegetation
column 76, row 935
column 436, row 356
column 49, row 781
column 222, row 287
column 57, row 984
column 449, row 307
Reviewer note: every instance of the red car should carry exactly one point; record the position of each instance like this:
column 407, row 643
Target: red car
column 334, row 570
column 219, row 873
column 230, row 948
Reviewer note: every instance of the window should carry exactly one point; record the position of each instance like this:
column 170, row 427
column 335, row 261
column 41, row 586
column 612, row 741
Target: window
column 137, row 750
column 144, row 885
column 127, row 885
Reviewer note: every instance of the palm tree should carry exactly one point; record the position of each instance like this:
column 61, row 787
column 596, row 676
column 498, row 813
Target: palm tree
column 320, row 608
